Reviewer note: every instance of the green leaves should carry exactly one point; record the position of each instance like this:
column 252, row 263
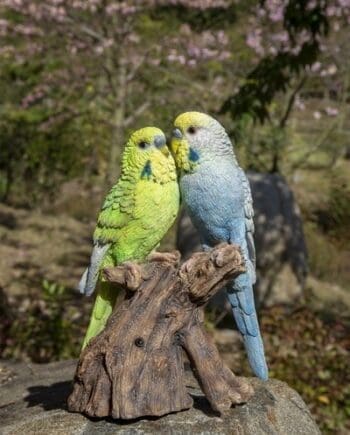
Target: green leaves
column 304, row 23
column 312, row 356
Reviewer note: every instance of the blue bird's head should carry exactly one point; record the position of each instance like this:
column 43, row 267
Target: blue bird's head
column 197, row 137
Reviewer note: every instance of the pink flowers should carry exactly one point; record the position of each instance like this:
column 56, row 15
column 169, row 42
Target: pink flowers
column 254, row 41
column 331, row 111
column 198, row 47
column 196, row 4
column 36, row 95
column 268, row 35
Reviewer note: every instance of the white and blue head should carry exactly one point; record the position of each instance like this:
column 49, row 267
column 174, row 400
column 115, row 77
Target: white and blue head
column 197, row 138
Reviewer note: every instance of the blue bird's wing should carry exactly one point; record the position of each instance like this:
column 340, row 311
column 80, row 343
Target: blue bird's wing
column 249, row 223
column 240, row 291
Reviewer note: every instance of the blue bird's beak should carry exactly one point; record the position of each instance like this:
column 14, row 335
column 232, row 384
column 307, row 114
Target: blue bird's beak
column 176, row 141
column 177, row 133
column 160, row 143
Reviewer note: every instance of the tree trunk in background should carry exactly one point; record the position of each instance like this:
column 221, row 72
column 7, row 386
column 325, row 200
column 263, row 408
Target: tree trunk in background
column 117, row 139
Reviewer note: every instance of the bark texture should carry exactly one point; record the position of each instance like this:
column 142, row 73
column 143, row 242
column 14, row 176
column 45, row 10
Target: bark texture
column 135, row 368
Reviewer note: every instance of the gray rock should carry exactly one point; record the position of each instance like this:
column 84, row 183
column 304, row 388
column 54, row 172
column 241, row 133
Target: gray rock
column 33, row 401
column 279, row 240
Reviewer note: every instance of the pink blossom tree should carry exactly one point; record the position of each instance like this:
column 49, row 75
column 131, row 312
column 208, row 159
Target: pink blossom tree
column 98, row 62
column 110, row 65
column 293, row 43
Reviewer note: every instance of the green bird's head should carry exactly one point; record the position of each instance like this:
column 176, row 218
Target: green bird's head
column 197, row 137
column 146, row 152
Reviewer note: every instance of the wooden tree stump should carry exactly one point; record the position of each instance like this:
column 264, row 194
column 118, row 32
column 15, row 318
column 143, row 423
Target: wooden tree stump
column 134, row 367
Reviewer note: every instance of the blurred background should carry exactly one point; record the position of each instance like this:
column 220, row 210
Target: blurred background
column 77, row 76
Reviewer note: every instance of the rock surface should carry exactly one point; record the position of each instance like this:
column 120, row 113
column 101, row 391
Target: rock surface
column 279, row 240
column 33, row 401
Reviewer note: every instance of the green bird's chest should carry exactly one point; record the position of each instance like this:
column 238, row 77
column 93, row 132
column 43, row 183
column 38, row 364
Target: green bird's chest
column 155, row 210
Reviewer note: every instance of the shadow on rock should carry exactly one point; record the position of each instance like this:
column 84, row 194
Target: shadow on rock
column 49, row 397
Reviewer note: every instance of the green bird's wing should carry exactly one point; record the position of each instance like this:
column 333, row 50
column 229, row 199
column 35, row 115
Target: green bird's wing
column 89, row 279
column 116, row 213
column 133, row 220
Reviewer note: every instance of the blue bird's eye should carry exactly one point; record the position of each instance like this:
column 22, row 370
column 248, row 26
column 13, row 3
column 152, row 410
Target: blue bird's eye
column 191, row 129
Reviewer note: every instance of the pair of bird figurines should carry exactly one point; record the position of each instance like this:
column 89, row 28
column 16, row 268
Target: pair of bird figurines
column 202, row 169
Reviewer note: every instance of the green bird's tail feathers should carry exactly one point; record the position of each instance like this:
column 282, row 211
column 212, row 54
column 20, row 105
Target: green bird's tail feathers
column 104, row 303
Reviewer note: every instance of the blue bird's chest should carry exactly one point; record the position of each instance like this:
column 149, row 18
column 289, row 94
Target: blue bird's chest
column 214, row 201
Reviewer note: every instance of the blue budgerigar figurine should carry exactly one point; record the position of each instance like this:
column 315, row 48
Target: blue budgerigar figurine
column 216, row 194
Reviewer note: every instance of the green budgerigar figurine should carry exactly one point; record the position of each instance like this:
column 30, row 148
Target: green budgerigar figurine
column 135, row 216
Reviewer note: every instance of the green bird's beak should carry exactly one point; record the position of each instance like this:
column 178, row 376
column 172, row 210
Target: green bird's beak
column 160, row 143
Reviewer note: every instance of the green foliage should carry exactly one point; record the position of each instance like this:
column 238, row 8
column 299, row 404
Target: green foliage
column 35, row 156
column 33, row 163
column 273, row 74
column 303, row 15
column 46, row 332
column 306, row 350
column 62, row 114
column 52, row 290
column 312, row 356
column 260, row 149
column 335, row 219
column 6, row 318
column 323, row 255
column 327, row 231
column 199, row 19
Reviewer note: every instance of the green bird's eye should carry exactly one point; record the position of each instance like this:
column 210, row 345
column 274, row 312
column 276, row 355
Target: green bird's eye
column 191, row 129
column 143, row 145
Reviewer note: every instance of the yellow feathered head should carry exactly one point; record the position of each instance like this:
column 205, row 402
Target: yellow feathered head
column 145, row 150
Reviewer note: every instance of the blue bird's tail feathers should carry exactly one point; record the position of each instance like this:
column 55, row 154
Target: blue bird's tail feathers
column 241, row 297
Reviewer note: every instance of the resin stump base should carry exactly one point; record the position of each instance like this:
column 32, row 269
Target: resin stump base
column 134, row 368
